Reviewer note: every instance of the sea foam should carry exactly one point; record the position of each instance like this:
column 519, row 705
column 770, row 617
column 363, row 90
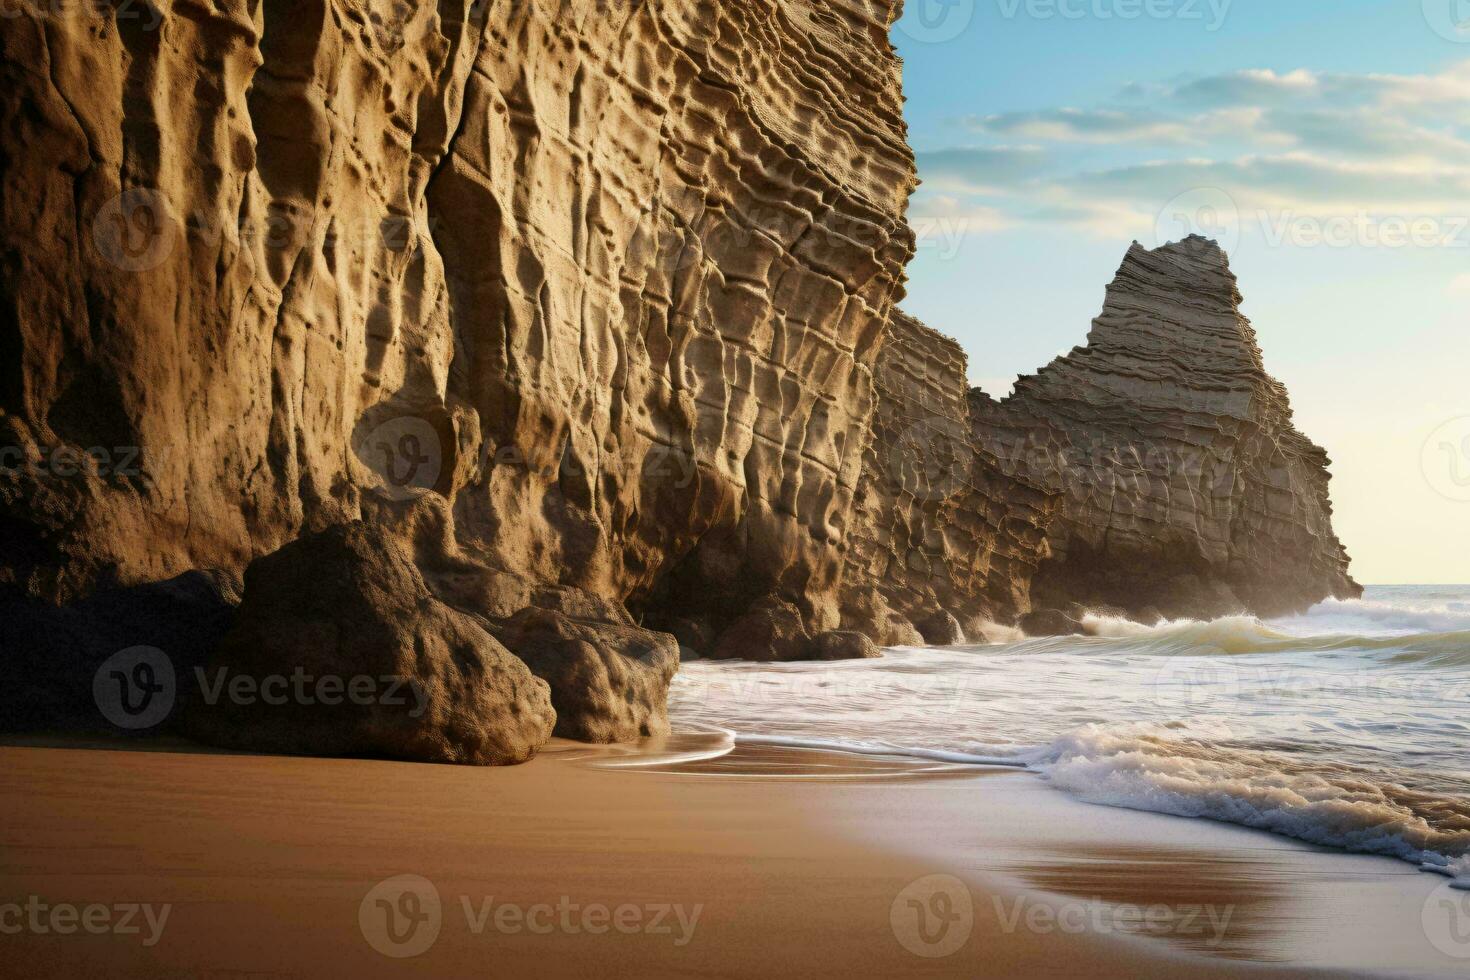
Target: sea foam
column 1345, row 727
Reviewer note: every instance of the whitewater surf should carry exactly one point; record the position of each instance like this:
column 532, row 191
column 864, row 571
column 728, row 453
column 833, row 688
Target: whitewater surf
column 1343, row 727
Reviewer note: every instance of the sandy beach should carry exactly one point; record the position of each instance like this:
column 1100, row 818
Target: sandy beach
column 755, row 861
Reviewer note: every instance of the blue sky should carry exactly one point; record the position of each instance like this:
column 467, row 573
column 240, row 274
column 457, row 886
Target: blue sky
column 1326, row 143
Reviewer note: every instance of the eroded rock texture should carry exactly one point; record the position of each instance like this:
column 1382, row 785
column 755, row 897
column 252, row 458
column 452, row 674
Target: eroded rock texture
column 941, row 533
column 579, row 306
column 339, row 648
column 607, row 278
column 1185, row 485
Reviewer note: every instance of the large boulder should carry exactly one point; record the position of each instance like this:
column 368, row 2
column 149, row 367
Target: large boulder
column 340, row 649
column 867, row 611
column 1184, row 482
column 609, row 680
column 844, row 645
column 941, row 629
column 770, row 630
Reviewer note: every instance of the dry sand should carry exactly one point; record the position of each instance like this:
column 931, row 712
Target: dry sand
column 758, row 862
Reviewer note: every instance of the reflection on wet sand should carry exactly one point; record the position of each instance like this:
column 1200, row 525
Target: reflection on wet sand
column 1232, row 905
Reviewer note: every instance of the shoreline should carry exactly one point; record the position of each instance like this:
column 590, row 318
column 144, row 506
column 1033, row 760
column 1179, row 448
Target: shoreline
column 267, row 863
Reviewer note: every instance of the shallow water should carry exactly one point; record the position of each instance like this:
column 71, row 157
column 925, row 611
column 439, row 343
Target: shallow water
column 1348, row 726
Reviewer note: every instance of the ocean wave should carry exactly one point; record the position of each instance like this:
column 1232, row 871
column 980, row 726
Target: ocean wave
column 1351, row 615
column 1243, row 635
column 1344, row 726
column 1147, row 768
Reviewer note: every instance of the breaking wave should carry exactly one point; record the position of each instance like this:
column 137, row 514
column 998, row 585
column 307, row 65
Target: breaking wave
column 1346, row 726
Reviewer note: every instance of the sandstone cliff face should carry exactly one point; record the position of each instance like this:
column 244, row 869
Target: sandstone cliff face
column 606, row 279
column 939, row 529
column 578, row 318
column 1185, row 486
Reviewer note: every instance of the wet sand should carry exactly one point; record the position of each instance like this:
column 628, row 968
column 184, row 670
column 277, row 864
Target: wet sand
column 755, row 861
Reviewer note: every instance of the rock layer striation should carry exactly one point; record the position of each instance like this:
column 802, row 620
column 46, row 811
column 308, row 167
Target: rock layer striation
column 564, row 294
column 1186, row 488
column 942, row 538
column 572, row 326
column 609, row 278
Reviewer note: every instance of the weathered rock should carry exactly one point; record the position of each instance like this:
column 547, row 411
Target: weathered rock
column 1050, row 622
column 581, row 300
column 941, row 630
column 844, row 645
column 771, row 630
column 386, row 669
column 609, row 681
column 866, row 610
column 609, row 278
column 696, row 636
column 938, row 525
column 1185, row 485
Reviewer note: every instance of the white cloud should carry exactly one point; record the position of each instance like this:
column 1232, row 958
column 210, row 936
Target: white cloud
column 1087, row 126
column 1296, row 142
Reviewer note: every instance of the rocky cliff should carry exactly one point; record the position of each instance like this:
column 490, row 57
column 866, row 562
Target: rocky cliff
column 491, row 345
column 568, row 295
column 607, row 278
column 941, row 536
column 1186, row 489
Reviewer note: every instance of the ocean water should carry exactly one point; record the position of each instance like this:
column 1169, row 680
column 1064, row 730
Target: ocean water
column 1348, row 726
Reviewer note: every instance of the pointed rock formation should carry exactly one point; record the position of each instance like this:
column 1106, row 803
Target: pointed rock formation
column 1185, row 485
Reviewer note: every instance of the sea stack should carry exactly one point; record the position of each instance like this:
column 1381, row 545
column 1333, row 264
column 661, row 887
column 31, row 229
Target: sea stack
column 1186, row 489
